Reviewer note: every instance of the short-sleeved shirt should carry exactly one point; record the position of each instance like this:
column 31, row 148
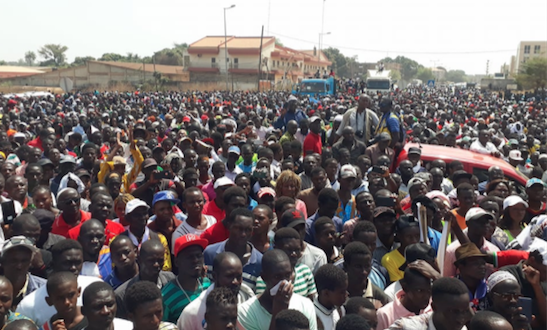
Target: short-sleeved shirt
column 251, row 270
column 304, row 282
column 60, row 227
column 111, row 230
column 212, row 209
column 216, row 233
column 253, row 316
column 312, row 143
column 175, row 299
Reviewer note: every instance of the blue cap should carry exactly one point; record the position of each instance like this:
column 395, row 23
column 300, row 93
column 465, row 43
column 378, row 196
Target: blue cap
column 165, row 195
column 534, row 181
column 235, row 150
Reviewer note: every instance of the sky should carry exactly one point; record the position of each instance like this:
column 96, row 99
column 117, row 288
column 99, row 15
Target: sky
column 462, row 34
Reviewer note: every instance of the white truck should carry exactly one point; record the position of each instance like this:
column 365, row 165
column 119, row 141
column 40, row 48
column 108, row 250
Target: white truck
column 378, row 81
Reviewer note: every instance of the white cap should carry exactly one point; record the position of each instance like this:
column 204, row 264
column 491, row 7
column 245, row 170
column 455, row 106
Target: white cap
column 540, row 246
column 348, row 171
column 133, row 204
column 515, row 154
column 512, row 201
column 338, row 118
column 224, row 181
column 314, row 118
column 476, row 212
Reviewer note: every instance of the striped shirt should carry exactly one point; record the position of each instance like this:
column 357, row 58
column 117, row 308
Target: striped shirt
column 304, row 283
column 175, row 300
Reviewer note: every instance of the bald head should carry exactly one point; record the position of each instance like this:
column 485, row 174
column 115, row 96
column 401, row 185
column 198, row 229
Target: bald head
column 23, row 223
column 150, row 246
column 21, row 325
column 89, row 225
column 224, row 260
column 487, row 320
column 67, row 192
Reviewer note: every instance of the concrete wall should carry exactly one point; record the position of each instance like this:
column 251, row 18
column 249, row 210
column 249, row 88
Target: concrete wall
column 92, row 74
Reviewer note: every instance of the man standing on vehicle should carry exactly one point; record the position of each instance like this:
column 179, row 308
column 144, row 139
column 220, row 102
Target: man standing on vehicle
column 361, row 119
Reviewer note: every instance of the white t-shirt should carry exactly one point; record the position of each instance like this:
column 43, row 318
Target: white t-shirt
column 193, row 315
column 313, row 257
column 253, row 316
column 184, row 228
column 327, row 317
column 35, row 307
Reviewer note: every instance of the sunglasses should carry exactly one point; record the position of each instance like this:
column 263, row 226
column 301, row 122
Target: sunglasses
column 72, row 200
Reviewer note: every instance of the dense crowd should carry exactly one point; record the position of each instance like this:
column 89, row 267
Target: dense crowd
column 266, row 210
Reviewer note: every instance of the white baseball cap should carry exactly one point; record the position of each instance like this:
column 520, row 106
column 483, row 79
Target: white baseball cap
column 224, row 181
column 133, row 204
column 512, row 201
column 475, row 213
column 515, row 154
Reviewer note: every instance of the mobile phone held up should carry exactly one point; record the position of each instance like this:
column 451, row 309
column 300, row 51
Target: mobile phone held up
column 163, row 175
column 8, row 212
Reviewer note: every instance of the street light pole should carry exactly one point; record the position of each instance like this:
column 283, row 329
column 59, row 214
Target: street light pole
column 226, row 46
column 320, row 44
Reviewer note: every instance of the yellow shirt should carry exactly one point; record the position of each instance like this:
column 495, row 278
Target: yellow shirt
column 392, row 261
column 128, row 178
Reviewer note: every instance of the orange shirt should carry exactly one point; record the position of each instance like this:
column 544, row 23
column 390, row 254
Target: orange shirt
column 460, row 219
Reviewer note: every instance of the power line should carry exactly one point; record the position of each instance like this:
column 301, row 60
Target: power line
column 398, row 51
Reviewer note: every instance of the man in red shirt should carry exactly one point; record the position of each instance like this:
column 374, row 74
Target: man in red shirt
column 216, row 206
column 71, row 216
column 101, row 208
column 234, row 197
column 312, row 142
column 37, row 143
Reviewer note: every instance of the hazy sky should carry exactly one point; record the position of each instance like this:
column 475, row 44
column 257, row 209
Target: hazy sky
column 460, row 34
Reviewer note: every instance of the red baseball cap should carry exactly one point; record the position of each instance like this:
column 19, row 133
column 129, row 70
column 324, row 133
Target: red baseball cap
column 185, row 119
column 188, row 240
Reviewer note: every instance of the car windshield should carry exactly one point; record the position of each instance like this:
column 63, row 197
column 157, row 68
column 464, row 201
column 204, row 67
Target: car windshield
column 378, row 84
column 313, row 87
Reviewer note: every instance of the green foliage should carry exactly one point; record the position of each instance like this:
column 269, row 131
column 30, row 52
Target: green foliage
column 424, row 74
column 409, row 67
column 533, row 74
column 111, row 57
column 395, row 75
column 3, row 63
column 30, row 57
column 54, row 55
column 456, row 76
column 339, row 61
column 278, row 42
column 82, row 60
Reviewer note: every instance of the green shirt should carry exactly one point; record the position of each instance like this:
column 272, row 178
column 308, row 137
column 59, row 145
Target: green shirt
column 175, row 299
column 304, row 283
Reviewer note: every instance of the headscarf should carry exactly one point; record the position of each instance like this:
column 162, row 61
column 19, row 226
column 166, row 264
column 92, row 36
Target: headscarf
column 73, row 177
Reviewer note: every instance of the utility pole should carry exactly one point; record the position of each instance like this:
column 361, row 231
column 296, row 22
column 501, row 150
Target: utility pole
column 260, row 58
column 226, row 46
column 487, row 65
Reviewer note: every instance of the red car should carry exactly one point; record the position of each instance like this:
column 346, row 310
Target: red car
column 473, row 162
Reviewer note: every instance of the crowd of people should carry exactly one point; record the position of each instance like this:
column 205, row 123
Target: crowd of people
column 266, row 210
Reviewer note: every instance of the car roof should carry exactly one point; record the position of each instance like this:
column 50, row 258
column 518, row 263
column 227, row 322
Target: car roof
column 449, row 154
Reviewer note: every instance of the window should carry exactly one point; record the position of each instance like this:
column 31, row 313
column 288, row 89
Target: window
column 527, row 49
column 213, row 60
column 536, row 49
column 236, row 60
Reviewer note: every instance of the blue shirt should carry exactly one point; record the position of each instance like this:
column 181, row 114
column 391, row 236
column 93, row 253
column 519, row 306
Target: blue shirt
column 252, row 204
column 113, row 280
column 297, row 115
column 378, row 275
column 310, row 227
column 434, row 238
column 247, row 168
column 251, row 270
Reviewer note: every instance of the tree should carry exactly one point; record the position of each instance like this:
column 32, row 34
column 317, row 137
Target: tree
column 339, row 61
column 533, row 74
column 30, row 57
column 278, row 42
column 111, row 57
column 456, row 76
column 424, row 74
column 53, row 54
column 395, row 75
column 82, row 60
